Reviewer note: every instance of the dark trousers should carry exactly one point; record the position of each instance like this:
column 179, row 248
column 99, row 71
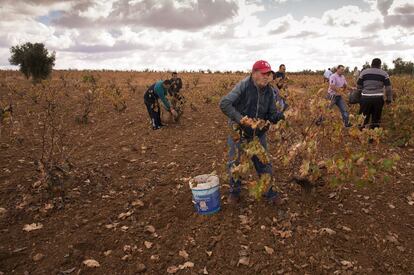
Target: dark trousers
column 154, row 112
column 371, row 108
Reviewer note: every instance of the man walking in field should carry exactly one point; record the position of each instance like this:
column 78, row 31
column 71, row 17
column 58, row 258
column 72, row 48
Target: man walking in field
column 337, row 92
column 156, row 91
column 371, row 83
column 252, row 98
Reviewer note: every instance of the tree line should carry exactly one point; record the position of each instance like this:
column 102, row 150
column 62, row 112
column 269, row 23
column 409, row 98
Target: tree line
column 35, row 62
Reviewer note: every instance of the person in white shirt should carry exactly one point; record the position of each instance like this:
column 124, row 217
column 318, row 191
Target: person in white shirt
column 326, row 75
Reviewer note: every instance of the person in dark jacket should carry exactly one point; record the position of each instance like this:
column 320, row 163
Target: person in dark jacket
column 279, row 83
column 176, row 84
column 177, row 99
column 371, row 82
column 280, row 77
column 156, row 91
column 253, row 98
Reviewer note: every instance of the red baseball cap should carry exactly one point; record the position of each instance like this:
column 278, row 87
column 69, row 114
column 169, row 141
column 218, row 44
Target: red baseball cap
column 262, row 66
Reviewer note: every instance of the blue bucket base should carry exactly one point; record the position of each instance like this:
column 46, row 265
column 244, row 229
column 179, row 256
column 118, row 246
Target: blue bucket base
column 210, row 212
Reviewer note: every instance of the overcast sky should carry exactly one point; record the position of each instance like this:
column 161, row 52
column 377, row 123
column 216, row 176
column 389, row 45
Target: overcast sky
column 210, row 34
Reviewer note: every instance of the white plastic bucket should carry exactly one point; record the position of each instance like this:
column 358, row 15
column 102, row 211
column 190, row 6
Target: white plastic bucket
column 206, row 193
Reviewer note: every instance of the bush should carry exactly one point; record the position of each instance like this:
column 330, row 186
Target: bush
column 34, row 60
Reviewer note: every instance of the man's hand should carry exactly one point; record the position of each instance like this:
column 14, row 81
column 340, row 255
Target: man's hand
column 341, row 91
column 265, row 126
column 246, row 121
column 254, row 123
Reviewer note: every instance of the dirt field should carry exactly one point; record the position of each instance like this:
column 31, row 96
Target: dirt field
column 126, row 202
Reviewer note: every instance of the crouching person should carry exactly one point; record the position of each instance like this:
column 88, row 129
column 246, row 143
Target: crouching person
column 156, row 91
column 252, row 98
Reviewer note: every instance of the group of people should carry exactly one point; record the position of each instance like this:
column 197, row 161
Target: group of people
column 256, row 97
column 162, row 88
column 370, row 92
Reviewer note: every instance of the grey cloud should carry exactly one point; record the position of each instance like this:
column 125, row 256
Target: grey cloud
column 33, row 2
column 115, row 33
column 119, row 46
column 303, row 34
column 157, row 14
column 30, row 9
column 200, row 14
column 281, row 29
column 373, row 27
column 350, row 23
column 83, row 5
column 384, row 5
column 374, row 44
column 73, row 21
column 361, row 42
column 190, row 43
column 101, row 57
column 332, row 21
column 403, row 20
column 406, row 9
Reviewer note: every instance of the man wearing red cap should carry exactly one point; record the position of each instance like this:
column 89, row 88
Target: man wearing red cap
column 253, row 98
